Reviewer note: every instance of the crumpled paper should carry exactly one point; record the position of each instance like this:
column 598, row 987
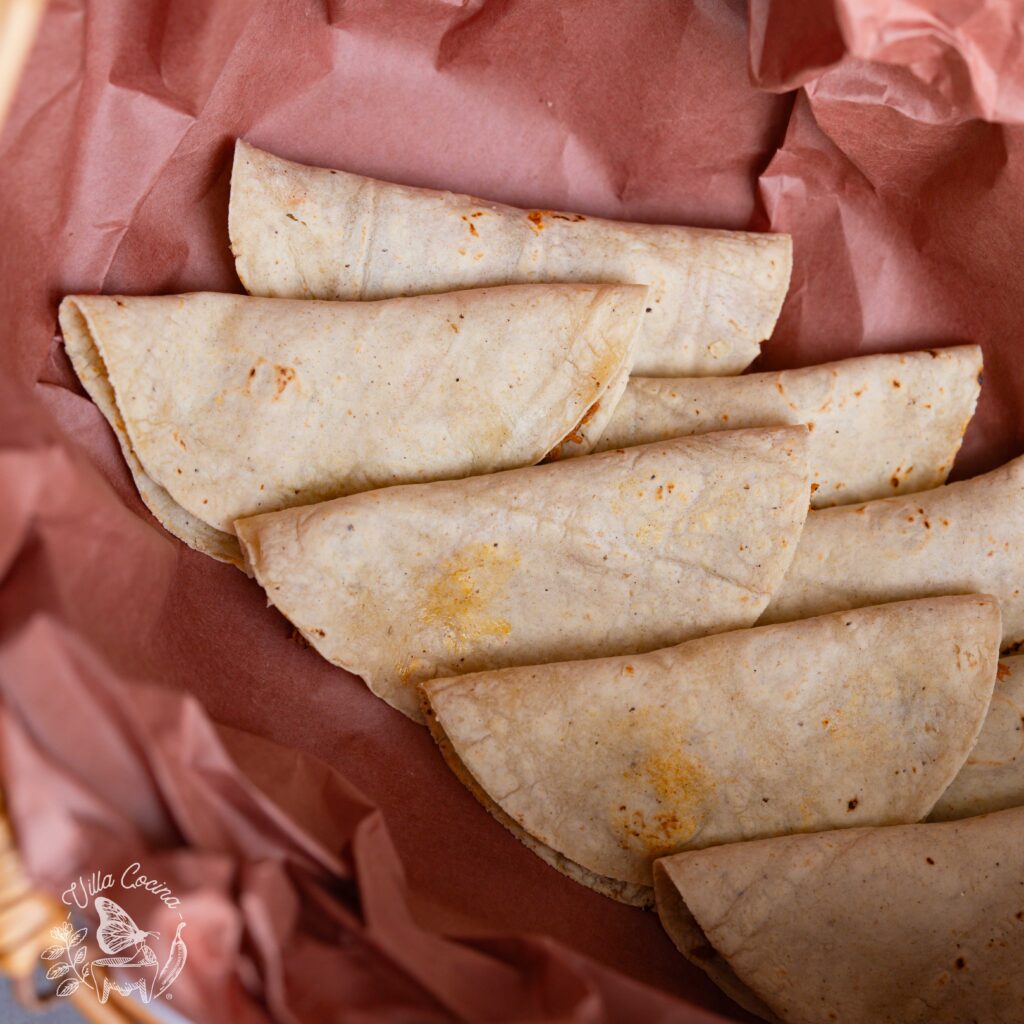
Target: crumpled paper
column 968, row 53
column 897, row 168
column 301, row 916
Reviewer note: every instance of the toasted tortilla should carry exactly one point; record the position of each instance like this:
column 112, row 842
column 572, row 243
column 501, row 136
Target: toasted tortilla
column 226, row 405
column 880, row 425
column 858, row 718
column 916, row 924
column 993, row 777
column 961, row 538
column 619, row 552
column 310, row 232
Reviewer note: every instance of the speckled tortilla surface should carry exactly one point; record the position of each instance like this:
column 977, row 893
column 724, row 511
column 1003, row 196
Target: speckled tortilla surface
column 228, row 405
column 914, row 924
column 843, row 720
column 312, row 232
column 961, row 538
column 880, row 425
column 624, row 551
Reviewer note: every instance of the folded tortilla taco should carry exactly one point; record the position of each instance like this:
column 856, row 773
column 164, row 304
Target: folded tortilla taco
column 309, row 232
column 961, row 538
column 619, row 552
column 880, row 425
column 227, row 406
column 993, row 777
column 916, row 924
column 603, row 766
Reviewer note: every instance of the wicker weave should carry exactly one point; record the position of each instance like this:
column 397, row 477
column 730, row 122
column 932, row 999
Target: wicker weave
column 19, row 20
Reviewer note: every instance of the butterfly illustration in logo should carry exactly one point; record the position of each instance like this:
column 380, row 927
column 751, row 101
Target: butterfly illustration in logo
column 116, row 934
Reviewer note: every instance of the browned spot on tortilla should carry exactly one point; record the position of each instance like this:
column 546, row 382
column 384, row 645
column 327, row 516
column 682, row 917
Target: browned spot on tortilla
column 251, row 376
column 814, row 487
column 460, row 593
column 536, row 219
column 680, row 786
column 810, row 427
column 575, row 436
column 1003, row 671
column 851, row 805
column 628, row 670
column 472, row 227
column 895, row 481
column 895, row 383
column 858, row 392
column 454, row 327
column 284, row 376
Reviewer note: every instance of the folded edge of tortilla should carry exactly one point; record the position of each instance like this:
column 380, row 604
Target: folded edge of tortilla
column 692, row 941
column 521, row 738
column 993, row 777
column 624, row 892
column 88, row 363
